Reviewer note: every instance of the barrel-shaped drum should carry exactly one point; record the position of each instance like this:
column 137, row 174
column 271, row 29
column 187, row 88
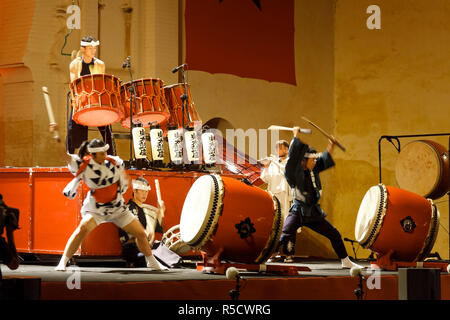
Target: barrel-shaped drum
column 96, row 100
column 224, row 215
column 397, row 221
column 173, row 94
column 423, row 167
column 150, row 107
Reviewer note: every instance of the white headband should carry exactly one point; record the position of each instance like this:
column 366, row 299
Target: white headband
column 92, row 43
column 139, row 185
column 312, row 155
column 98, row 149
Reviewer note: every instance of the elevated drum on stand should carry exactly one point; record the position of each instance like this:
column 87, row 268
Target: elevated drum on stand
column 224, row 217
column 423, row 167
column 397, row 224
column 96, row 100
column 150, row 108
column 173, row 95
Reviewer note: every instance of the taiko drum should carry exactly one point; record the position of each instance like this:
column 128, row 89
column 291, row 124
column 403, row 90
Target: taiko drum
column 150, row 107
column 423, row 167
column 224, row 215
column 96, row 100
column 397, row 221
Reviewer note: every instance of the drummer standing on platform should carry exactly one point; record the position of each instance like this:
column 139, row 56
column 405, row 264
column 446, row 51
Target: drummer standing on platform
column 302, row 173
column 81, row 66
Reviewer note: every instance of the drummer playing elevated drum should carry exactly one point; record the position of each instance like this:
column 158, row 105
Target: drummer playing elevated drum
column 81, row 66
column 302, row 173
column 108, row 180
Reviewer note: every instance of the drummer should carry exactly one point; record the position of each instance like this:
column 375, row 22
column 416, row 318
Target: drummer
column 81, row 66
column 302, row 173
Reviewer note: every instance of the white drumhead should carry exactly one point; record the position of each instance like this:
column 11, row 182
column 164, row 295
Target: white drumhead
column 418, row 168
column 367, row 214
column 197, row 209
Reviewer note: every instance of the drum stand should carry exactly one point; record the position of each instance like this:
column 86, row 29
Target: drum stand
column 215, row 265
column 132, row 89
column 385, row 261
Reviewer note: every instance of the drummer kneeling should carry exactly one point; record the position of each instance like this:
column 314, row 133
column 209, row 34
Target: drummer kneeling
column 151, row 219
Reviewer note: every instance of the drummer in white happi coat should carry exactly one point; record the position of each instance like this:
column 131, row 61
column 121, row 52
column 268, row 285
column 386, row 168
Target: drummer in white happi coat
column 273, row 175
column 107, row 179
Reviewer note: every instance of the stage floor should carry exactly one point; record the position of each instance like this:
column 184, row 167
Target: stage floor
column 322, row 268
column 326, row 281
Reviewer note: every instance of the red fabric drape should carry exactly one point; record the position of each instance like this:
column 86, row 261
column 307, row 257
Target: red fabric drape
column 236, row 37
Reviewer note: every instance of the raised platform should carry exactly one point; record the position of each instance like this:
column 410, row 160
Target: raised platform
column 325, row 281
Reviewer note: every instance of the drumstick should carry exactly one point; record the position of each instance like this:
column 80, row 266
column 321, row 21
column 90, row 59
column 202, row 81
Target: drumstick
column 274, row 127
column 325, row 134
column 49, row 110
column 158, row 193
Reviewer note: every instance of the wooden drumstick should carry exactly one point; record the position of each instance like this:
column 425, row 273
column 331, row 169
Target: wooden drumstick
column 274, row 127
column 158, row 194
column 50, row 111
column 333, row 139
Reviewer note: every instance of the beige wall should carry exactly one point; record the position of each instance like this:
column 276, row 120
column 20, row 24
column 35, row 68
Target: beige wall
column 357, row 84
column 391, row 81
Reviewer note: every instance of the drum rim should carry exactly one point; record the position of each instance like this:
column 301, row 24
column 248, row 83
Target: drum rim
column 377, row 223
column 439, row 160
column 432, row 233
column 212, row 217
column 274, row 234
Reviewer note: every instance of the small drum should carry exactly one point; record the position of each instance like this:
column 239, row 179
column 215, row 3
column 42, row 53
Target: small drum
column 96, row 100
column 394, row 219
column 172, row 240
column 172, row 94
column 151, row 108
column 225, row 216
column 423, row 168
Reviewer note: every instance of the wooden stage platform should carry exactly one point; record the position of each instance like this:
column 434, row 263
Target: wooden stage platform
column 325, row 281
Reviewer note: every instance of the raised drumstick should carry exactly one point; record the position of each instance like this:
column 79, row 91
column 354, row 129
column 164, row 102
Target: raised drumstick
column 49, row 110
column 325, row 134
column 275, row 127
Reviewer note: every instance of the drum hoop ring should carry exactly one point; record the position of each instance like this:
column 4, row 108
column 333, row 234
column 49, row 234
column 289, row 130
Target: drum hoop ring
column 381, row 213
column 432, row 233
column 274, row 235
column 214, row 214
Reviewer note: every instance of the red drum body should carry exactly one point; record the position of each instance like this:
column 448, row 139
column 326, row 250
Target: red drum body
column 225, row 216
column 150, row 107
column 397, row 221
column 96, row 100
column 173, row 98
column 423, row 167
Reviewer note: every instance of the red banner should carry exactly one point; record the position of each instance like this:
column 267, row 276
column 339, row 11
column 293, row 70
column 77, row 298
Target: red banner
column 247, row 38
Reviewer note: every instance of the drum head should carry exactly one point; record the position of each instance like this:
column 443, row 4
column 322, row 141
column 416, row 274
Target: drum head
column 368, row 219
column 418, row 168
column 201, row 210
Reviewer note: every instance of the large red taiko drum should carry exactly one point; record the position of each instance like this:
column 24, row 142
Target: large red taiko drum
column 222, row 214
column 392, row 219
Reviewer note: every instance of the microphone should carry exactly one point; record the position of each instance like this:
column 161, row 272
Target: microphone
column 179, row 67
column 126, row 63
column 232, row 273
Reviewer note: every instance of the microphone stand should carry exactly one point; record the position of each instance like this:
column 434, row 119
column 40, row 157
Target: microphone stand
column 132, row 90
column 234, row 294
column 359, row 292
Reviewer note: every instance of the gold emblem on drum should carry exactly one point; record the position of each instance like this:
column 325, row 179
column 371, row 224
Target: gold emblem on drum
column 408, row 224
